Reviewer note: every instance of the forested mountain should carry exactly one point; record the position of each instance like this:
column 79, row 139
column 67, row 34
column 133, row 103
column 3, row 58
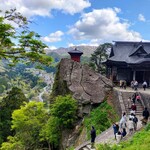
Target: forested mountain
column 87, row 50
column 61, row 52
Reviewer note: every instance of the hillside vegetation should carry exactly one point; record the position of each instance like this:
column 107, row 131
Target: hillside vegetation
column 101, row 118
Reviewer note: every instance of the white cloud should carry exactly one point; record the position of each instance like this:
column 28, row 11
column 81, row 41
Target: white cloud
column 71, row 44
column 44, row 7
column 91, row 43
column 53, row 37
column 141, row 18
column 103, row 25
column 49, row 49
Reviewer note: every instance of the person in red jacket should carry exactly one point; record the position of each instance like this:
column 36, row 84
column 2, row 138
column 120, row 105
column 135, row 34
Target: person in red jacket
column 133, row 108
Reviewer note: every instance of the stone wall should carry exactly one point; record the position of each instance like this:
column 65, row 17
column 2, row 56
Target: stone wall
column 116, row 102
column 146, row 100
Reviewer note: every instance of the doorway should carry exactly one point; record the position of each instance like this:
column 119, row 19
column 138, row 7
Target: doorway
column 139, row 76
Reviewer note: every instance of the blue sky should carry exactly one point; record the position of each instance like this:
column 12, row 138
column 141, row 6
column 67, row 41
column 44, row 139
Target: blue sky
column 64, row 23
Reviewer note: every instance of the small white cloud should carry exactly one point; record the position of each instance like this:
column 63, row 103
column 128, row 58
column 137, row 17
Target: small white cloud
column 71, row 44
column 141, row 18
column 53, row 37
column 50, row 48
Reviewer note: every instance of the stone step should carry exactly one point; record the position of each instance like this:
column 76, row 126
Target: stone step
column 84, row 148
column 139, row 106
column 89, row 146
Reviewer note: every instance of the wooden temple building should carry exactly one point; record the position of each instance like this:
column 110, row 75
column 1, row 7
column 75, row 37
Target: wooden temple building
column 129, row 61
column 75, row 54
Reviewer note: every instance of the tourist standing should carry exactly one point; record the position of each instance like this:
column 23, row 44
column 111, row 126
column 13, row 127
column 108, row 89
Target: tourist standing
column 129, row 102
column 118, row 137
column 132, row 84
column 93, row 136
column 135, row 85
column 115, row 128
column 123, row 121
column 133, row 108
column 135, row 121
column 145, row 115
column 130, row 126
column 138, row 98
column 134, row 97
column 144, row 85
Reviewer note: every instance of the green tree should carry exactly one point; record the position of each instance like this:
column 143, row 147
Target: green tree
column 100, row 55
column 64, row 108
column 51, row 133
column 11, row 102
column 34, row 129
column 27, row 46
column 27, row 122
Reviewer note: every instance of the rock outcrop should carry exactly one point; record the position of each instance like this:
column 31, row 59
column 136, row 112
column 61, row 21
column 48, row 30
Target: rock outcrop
column 87, row 86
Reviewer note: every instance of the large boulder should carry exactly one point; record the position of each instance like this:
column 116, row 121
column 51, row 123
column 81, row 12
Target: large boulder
column 87, row 86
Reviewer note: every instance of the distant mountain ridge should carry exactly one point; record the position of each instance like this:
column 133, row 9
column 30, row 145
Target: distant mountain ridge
column 87, row 50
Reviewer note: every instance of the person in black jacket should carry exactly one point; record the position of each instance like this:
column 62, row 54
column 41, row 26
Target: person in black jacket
column 145, row 115
column 93, row 136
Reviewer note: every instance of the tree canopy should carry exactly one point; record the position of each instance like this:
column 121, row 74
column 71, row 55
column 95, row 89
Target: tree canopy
column 11, row 102
column 64, row 108
column 100, row 55
column 18, row 43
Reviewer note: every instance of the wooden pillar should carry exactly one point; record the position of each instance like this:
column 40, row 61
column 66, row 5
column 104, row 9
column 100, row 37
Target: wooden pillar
column 134, row 74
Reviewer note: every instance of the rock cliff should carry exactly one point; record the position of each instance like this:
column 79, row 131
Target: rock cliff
column 87, row 86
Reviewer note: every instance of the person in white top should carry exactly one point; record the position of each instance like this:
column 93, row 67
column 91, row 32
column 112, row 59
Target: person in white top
column 130, row 126
column 135, row 85
column 118, row 137
column 129, row 102
column 123, row 121
column 144, row 85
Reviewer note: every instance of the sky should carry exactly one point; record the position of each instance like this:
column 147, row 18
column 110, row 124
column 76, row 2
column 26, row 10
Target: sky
column 65, row 23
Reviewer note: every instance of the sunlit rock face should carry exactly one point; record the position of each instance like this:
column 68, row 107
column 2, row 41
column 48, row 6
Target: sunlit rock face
column 87, row 86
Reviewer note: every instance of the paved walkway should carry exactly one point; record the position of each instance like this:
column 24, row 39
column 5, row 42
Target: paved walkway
column 106, row 137
column 128, row 89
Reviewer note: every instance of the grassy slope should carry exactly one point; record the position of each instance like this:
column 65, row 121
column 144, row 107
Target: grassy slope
column 101, row 118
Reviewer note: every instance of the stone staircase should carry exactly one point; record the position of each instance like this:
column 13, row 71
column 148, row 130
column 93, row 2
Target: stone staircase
column 140, row 107
column 108, row 135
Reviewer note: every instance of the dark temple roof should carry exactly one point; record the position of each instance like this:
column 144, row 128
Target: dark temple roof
column 130, row 52
column 75, row 51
